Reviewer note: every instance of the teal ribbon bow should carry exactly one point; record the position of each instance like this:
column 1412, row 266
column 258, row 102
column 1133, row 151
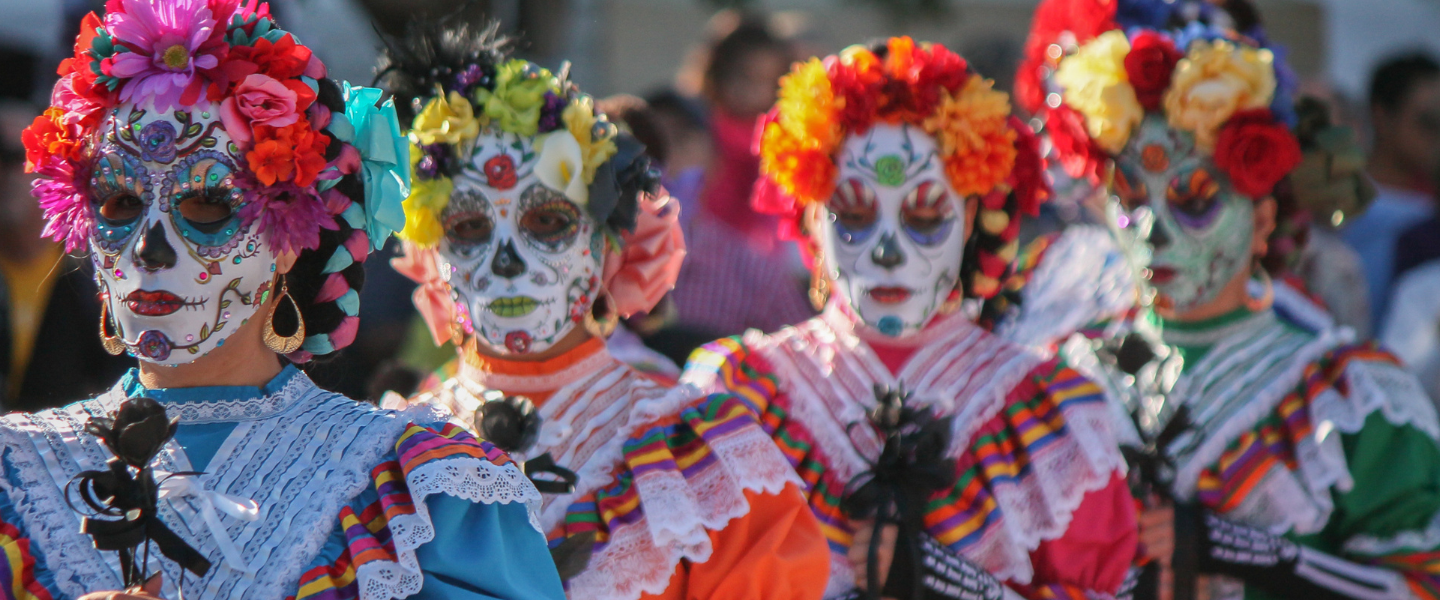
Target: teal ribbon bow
column 374, row 130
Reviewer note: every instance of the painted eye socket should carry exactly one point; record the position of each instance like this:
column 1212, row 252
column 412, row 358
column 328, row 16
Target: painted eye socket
column 1132, row 192
column 548, row 219
column 121, row 209
column 469, row 229
column 1194, row 198
column 853, row 210
column 928, row 214
column 207, row 211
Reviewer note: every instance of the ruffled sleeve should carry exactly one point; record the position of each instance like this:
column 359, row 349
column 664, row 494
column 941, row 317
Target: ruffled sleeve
column 440, row 491
column 23, row 574
column 703, row 501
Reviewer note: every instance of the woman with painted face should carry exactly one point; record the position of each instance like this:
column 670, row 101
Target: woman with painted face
column 1275, row 431
column 942, row 461
column 228, row 193
column 534, row 224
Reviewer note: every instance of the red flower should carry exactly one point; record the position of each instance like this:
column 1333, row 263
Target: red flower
column 1149, row 65
column 1054, row 19
column 500, row 172
column 82, row 56
column 282, row 60
column 1079, row 155
column 47, row 136
column 1027, row 177
column 1256, row 152
column 292, row 153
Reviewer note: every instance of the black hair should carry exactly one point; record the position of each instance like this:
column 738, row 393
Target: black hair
column 687, row 110
column 308, row 276
column 727, row 56
column 448, row 54
column 1394, row 78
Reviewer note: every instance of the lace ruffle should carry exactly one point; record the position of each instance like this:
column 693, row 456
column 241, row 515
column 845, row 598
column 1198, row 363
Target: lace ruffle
column 1082, row 278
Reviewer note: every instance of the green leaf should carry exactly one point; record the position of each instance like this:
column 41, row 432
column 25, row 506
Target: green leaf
column 219, row 326
column 225, row 303
column 182, row 116
column 136, row 116
column 192, row 130
column 208, row 142
column 204, row 332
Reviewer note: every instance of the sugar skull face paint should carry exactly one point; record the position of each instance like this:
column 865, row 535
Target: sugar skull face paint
column 895, row 231
column 1175, row 213
column 179, row 263
column 523, row 261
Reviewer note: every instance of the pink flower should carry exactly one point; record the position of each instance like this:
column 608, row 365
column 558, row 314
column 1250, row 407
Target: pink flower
column 259, row 100
column 68, row 216
column 171, row 44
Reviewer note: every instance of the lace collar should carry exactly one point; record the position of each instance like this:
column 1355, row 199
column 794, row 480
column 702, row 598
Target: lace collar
column 222, row 404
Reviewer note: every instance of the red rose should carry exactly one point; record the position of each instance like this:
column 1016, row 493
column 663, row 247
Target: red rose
column 1027, row 177
column 1079, row 155
column 1149, row 65
column 500, row 172
column 1256, row 152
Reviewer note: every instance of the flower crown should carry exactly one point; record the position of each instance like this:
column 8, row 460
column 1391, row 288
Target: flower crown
column 1094, row 73
column 986, row 152
column 580, row 150
column 220, row 55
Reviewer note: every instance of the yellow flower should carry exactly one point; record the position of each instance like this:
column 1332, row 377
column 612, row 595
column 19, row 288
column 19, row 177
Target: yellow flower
column 422, row 211
column 582, row 123
column 1214, row 81
column 974, row 136
column 1097, row 87
column 449, row 120
column 807, row 106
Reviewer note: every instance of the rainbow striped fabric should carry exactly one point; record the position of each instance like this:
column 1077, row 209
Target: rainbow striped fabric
column 1004, row 451
column 18, row 568
column 366, row 520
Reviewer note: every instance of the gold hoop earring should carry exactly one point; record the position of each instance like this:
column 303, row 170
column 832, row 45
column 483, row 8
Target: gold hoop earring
column 819, row 283
column 278, row 343
column 602, row 328
column 112, row 343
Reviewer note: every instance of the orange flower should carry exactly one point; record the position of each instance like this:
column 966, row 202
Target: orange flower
column 974, row 136
column 48, row 136
column 806, row 174
column 294, row 152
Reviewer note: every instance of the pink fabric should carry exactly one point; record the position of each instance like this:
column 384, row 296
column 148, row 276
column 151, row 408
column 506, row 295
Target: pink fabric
column 432, row 298
column 344, row 333
column 645, row 268
column 732, row 178
column 358, row 245
column 1096, row 549
column 333, row 288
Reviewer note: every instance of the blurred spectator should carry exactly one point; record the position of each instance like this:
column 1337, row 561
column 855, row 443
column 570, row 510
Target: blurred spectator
column 1405, row 116
column 1412, row 328
column 682, row 129
column 55, row 355
column 737, row 275
column 1420, row 243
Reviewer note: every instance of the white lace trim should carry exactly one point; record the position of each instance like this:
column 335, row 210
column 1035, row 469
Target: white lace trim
column 829, row 374
column 1421, row 540
column 1082, row 278
column 466, row 478
column 240, row 410
column 640, row 557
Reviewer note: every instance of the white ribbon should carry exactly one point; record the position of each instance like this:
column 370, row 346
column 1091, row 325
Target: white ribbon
column 188, row 486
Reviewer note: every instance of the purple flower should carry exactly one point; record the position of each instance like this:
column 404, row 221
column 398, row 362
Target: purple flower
column 68, row 216
column 550, row 113
column 157, row 142
column 169, row 44
column 290, row 214
column 154, row 345
column 436, row 160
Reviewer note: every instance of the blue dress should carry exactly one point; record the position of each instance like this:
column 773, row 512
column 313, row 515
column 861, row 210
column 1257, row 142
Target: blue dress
column 350, row 501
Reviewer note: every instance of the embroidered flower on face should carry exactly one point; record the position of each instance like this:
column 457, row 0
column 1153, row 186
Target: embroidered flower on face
column 154, row 345
column 500, row 172
column 1215, row 80
column 446, row 119
column 169, row 45
column 157, row 142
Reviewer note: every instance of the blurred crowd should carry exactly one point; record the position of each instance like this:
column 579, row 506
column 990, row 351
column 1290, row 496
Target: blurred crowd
column 1376, row 267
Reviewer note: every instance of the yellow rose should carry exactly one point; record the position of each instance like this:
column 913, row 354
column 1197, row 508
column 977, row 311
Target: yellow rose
column 451, row 121
column 1097, row 87
column 581, row 122
column 1214, row 81
column 422, row 211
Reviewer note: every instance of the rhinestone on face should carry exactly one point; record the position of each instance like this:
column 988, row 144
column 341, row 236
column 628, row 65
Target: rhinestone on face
column 190, row 337
column 226, row 315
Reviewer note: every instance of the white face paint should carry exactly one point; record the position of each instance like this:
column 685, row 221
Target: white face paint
column 895, row 231
column 523, row 261
column 178, row 267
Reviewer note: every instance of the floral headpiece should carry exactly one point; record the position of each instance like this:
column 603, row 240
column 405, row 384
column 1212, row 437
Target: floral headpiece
column 458, row 93
column 1095, row 68
column 987, row 153
column 231, row 58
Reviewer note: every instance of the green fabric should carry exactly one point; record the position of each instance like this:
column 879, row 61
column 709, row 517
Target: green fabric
column 1193, row 354
column 1397, row 488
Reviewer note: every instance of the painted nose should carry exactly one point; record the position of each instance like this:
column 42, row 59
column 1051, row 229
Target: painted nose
column 153, row 251
column 887, row 253
column 1158, row 239
column 507, row 262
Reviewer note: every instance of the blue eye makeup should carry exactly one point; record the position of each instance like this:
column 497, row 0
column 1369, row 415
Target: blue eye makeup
column 852, row 211
column 205, row 203
column 927, row 214
column 118, row 186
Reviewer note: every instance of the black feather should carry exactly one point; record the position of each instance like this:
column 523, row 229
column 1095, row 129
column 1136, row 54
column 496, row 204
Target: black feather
column 437, row 52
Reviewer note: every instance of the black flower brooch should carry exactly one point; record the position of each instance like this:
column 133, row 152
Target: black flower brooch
column 122, row 500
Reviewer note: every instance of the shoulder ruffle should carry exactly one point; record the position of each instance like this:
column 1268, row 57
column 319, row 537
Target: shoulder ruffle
column 687, row 462
column 383, row 528
column 1079, row 278
column 1022, row 474
column 1295, row 445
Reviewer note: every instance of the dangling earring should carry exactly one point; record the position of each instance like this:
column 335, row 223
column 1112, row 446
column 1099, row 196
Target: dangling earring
column 276, row 342
column 1267, row 297
column 112, row 343
column 602, row 327
column 819, row 282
